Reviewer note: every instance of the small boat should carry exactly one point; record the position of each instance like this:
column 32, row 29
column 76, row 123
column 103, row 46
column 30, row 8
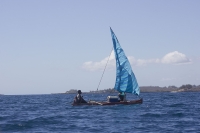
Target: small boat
column 125, row 79
column 110, row 103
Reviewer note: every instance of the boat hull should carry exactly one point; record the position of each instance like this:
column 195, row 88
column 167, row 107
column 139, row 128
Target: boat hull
column 140, row 101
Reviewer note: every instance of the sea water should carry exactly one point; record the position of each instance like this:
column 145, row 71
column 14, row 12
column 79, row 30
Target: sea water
column 159, row 113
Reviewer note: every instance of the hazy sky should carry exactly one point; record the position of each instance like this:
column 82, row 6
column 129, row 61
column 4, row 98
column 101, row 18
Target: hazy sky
column 54, row 46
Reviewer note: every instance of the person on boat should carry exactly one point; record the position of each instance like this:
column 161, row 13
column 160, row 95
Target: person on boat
column 79, row 98
column 122, row 96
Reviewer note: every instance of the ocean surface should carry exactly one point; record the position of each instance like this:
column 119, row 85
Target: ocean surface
column 159, row 113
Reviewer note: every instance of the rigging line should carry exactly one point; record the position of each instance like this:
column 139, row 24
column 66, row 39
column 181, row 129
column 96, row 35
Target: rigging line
column 104, row 70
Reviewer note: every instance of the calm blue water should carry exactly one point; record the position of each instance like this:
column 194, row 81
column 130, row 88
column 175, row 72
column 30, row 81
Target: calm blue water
column 160, row 112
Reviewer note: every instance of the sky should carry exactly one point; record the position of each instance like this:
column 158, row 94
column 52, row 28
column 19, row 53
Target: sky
column 54, row 46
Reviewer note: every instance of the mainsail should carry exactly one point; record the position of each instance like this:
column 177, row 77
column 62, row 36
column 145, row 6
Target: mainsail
column 125, row 78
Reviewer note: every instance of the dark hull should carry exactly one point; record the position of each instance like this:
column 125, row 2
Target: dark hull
column 110, row 103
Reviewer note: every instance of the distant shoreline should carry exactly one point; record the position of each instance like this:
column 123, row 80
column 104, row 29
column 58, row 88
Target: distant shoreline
column 141, row 92
column 173, row 89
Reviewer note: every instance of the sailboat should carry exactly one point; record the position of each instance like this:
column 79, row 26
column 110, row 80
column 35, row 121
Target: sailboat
column 125, row 79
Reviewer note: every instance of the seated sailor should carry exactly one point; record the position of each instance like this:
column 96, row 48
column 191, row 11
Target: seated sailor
column 122, row 96
column 79, row 98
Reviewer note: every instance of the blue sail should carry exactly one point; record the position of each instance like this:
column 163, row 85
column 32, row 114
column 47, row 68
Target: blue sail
column 125, row 78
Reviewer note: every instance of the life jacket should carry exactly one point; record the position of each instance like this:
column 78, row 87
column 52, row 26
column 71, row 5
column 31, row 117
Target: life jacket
column 78, row 98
